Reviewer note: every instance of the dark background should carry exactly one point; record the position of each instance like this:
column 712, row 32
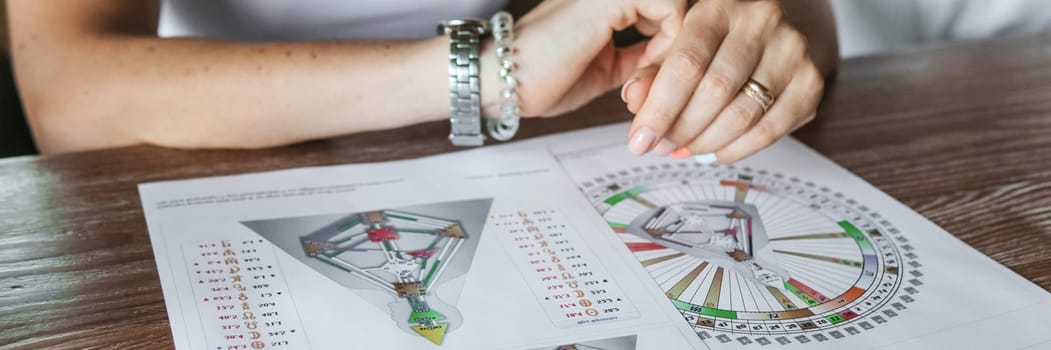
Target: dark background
column 14, row 134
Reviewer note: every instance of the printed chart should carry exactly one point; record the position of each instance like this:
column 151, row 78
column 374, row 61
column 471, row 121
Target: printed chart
column 569, row 282
column 241, row 296
column 405, row 254
column 752, row 256
column 627, row 342
column 572, row 242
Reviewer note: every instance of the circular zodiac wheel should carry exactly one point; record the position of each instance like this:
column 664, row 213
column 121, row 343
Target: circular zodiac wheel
column 751, row 252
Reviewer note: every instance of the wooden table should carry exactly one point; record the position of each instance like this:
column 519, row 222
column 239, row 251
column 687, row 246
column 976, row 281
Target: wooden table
column 960, row 133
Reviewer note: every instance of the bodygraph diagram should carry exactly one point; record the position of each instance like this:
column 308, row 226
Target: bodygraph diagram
column 407, row 254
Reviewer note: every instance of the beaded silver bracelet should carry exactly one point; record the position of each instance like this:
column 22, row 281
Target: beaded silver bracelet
column 505, row 126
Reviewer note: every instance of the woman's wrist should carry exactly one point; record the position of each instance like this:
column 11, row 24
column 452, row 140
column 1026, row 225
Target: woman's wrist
column 438, row 77
column 489, row 67
column 434, row 90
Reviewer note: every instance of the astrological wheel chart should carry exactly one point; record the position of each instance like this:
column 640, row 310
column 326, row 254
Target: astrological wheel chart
column 759, row 257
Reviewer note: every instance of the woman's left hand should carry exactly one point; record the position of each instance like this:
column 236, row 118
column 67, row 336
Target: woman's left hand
column 693, row 102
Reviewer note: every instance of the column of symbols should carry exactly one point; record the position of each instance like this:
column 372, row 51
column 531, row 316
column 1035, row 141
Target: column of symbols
column 571, row 285
column 242, row 299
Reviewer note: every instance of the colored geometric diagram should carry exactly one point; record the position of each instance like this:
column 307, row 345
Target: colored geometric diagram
column 745, row 252
column 406, row 254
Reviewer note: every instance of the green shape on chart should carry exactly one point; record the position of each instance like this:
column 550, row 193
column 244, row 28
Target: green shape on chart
column 624, row 195
column 711, row 311
column 856, row 234
column 835, row 319
column 430, row 273
column 428, row 316
column 348, row 225
column 401, row 217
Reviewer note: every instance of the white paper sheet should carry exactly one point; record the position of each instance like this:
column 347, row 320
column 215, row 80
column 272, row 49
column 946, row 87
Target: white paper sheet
column 538, row 244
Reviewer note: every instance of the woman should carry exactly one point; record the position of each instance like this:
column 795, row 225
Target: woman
column 260, row 73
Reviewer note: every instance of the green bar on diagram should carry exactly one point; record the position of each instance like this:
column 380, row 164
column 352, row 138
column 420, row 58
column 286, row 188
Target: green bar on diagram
column 617, row 198
column 430, row 273
column 855, row 233
column 718, row 312
column 401, row 217
column 348, row 224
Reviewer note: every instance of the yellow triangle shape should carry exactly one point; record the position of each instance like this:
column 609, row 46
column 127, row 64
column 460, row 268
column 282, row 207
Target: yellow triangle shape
column 433, row 333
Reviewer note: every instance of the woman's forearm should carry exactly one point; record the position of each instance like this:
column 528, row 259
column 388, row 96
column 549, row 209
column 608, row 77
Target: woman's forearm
column 193, row 93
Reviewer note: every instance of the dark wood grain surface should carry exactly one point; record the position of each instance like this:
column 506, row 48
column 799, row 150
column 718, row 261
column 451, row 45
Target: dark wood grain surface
column 960, row 133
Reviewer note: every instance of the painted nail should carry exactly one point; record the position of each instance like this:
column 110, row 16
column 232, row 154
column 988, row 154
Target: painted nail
column 707, row 158
column 681, row 153
column 664, row 148
column 642, row 140
column 624, row 90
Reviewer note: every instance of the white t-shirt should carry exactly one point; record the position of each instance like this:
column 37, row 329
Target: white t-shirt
column 865, row 26
column 286, row 20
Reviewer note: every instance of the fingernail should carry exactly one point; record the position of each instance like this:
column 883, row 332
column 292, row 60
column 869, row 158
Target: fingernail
column 624, row 90
column 664, row 148
column 681, row 153
column 707, row 158
column 642, row 140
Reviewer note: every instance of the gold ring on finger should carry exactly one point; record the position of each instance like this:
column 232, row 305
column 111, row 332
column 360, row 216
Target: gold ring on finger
column 759, row 93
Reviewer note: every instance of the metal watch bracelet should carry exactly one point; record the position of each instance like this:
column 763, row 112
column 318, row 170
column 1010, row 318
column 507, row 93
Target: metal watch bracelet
column 464, row 86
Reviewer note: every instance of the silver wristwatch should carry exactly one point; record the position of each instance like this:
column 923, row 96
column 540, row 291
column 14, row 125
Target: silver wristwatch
column 465, row 37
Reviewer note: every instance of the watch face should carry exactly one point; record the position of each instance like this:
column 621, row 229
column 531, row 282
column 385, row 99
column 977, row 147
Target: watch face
column 475, row 24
